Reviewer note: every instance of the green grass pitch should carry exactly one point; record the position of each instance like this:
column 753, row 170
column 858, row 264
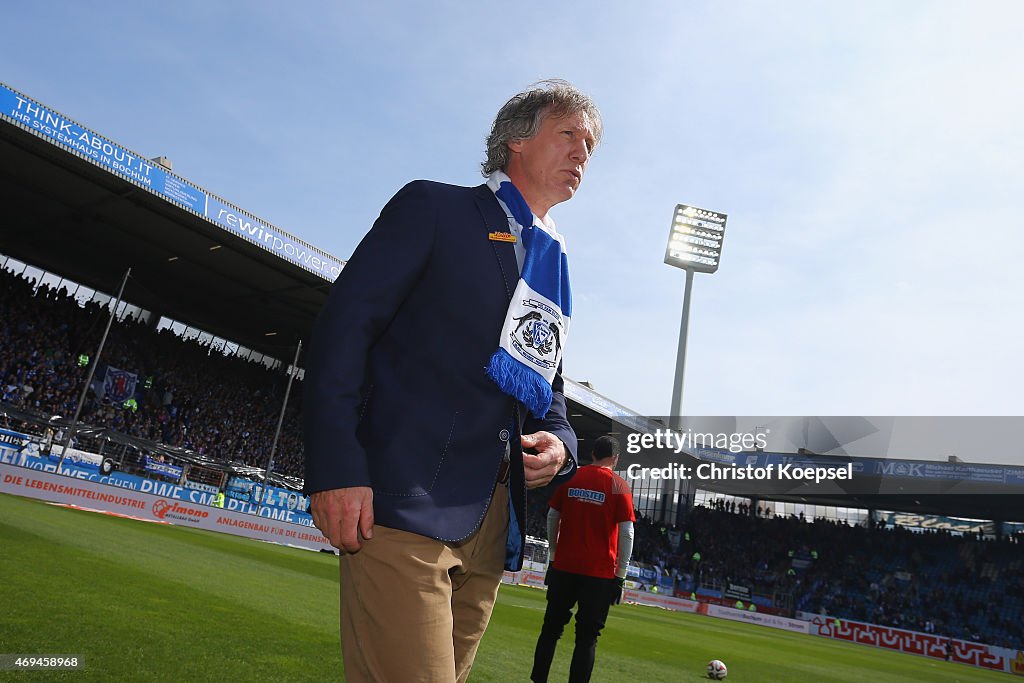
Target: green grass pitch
column 148, row 602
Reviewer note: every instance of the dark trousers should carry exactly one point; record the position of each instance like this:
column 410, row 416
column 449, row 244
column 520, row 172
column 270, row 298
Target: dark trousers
column 593, row 597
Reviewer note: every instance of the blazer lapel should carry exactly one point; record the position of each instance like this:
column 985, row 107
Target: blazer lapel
column 495, row 220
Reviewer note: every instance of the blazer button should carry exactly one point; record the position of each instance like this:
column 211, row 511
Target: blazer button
column 503, row 435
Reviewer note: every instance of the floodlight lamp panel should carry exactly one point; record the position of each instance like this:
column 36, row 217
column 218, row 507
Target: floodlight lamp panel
column 695, row 239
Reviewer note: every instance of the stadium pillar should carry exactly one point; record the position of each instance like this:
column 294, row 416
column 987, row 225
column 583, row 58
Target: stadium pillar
column 661, row 506
column 687, row 495
column 669, row 490
column 92, row 371
column 154, row 321
column 292, row 371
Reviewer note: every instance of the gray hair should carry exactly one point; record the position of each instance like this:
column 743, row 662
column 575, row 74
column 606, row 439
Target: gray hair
column 521, row 116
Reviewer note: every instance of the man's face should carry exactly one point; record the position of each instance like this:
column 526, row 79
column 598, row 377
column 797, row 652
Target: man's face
column 548, row 168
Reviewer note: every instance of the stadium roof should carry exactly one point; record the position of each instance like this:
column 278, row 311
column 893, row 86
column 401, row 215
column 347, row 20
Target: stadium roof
column 947, row 497
column 73, row 216
column 891, row 460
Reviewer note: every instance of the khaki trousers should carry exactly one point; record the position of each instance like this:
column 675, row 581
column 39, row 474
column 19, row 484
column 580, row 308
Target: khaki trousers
column 414, row 608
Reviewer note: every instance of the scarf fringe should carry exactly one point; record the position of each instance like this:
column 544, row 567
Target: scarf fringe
column 520, row 381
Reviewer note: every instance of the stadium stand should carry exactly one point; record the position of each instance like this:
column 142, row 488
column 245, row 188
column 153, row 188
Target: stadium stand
column 964, row 586
column 193, row 396
column 197, row 398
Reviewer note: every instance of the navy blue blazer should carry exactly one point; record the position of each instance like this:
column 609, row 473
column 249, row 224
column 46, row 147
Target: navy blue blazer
column 396, row 397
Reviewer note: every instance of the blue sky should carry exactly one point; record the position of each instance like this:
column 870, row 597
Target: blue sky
column 869, row 156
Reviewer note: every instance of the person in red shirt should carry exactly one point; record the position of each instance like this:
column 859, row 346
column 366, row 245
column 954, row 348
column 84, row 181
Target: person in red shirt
column 590, row 525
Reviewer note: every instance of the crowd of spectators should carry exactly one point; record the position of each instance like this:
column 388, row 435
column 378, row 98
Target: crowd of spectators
column 226, row 407
column 187, row 394
column 961, row 585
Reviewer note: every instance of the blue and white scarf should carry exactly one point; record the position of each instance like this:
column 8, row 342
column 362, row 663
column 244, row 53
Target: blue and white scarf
column 537, row 322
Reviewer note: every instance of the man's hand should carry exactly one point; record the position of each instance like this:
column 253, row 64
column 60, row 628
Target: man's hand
column 541, row 468
column 344, row 516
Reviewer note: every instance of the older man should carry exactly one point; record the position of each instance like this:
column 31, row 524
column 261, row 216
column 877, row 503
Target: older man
column 434, row 396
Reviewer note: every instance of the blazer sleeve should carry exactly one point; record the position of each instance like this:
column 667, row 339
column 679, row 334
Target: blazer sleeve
column 556, row 421
column 364, row 299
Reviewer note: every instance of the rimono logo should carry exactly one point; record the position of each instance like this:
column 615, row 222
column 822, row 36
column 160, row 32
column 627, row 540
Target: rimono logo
column 162, row 508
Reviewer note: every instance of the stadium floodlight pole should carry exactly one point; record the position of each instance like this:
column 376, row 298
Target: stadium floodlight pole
column 277, row 434
column 695, row 245
column 92, row 371
column 676, row 412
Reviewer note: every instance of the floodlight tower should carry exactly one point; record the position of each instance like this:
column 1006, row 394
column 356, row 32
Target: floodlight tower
column 695, row 245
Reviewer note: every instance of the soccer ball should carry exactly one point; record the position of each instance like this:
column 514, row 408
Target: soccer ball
column 717, row 670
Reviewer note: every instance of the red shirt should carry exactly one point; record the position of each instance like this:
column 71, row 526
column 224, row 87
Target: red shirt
column 591, row 506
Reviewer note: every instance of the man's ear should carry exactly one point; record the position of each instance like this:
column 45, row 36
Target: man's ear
column 515, row 145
